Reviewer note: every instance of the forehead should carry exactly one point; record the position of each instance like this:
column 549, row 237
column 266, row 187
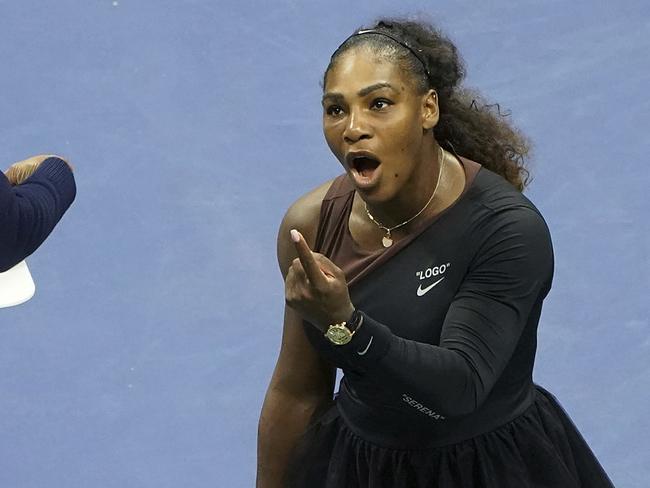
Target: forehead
column 360, row 67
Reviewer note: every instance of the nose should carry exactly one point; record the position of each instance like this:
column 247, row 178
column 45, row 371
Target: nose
column 355, row 129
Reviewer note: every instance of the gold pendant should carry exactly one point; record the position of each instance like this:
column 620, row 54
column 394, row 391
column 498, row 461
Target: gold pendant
column 387, row 241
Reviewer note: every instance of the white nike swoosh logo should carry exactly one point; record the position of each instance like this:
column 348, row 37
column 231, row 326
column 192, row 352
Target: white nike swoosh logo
column 362, row 353
column 423, row 291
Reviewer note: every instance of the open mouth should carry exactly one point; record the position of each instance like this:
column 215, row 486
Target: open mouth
column 365, row 165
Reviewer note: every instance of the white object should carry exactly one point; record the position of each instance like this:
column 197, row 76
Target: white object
column 16, row 286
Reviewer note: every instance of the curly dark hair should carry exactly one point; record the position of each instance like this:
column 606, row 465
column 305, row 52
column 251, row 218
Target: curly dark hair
column 468, row 125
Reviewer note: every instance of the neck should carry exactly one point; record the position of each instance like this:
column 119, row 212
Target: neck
column 416, row 192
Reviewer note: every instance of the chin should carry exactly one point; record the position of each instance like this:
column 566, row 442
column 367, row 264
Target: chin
column 377, row 195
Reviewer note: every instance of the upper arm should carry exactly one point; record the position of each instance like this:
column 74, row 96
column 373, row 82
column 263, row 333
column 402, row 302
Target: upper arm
column 303, row 215
column 511, row 272
column 300, row 370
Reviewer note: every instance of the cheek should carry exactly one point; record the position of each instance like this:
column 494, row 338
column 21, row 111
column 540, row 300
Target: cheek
column 405, row 151
column 406, row 132
column 404, row 140
column 331, row 139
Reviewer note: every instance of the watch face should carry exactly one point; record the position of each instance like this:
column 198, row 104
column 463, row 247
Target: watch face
column 338, row 334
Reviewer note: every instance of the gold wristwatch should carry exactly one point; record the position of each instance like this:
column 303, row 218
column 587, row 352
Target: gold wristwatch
column 341, row 333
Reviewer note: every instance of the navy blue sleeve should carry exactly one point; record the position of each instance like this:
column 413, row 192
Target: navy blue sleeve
column 30, row 211
column 509, row 275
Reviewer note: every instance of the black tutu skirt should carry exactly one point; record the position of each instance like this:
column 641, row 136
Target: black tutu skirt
column 540, row 448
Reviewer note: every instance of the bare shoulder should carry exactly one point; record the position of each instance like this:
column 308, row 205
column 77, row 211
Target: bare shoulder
column 303, row 215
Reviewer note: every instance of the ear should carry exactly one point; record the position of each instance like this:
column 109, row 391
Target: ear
column 430, row 113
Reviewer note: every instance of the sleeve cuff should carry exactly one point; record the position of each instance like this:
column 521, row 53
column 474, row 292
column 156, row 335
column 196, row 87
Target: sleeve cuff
column 369, row 344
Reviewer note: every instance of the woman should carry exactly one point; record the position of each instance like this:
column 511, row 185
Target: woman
column 34, row 195
column 425, row 288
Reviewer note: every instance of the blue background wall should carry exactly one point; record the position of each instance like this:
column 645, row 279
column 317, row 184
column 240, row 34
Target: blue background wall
column 144, row 357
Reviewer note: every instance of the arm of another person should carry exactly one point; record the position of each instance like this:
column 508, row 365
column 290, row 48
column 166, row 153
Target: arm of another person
column 30, row 210
column 510, row 273
column 302, row 382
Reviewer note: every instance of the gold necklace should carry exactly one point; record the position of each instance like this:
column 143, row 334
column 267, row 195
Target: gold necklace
column 387, row 240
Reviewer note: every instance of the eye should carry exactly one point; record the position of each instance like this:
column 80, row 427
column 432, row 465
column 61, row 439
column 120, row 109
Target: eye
column 380, row 104
column 334, row 110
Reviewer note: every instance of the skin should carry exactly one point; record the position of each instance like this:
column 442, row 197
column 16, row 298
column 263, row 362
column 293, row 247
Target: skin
column 396, row 124
column 302, row 383
column 369, row 104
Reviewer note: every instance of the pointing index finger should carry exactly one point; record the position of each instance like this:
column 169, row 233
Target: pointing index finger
column 306, row 256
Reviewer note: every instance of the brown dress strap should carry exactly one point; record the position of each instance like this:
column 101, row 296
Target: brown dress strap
column 333, row 237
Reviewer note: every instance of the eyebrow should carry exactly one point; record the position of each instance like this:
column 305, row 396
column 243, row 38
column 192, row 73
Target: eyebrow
column 337, row 97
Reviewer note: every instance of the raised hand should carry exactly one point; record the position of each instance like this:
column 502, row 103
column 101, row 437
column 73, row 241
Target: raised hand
column 316, row 288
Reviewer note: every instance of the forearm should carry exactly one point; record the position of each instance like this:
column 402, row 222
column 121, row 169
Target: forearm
column 440, row 379
column 30, row 211
column 283, row 421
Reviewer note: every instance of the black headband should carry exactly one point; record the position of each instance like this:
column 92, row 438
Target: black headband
column 399, row 41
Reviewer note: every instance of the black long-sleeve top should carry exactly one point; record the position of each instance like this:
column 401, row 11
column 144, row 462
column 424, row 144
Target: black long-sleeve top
column 30, row 211
column 447, row 344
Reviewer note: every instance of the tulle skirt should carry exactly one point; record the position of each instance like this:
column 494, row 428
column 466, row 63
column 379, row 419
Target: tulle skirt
column 540, row 448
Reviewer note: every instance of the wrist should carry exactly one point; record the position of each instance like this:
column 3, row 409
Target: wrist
column 341, row 333
column 344, row 315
